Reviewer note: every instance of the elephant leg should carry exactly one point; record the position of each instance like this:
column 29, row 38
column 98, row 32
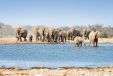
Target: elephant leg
column 65, row 39
column 20, row 39
column 37, row 38
column 52, row 39
column 96, row 42
column 61, row 39
column 77, row 44
column 81, row 44
column 43, row 39
column 48, row 39
column 55, row 39
column 17, row 39
column 68, row 37
column 25, row 39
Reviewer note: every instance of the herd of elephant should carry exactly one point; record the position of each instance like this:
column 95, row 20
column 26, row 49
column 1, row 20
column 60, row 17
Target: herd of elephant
column 58, row 35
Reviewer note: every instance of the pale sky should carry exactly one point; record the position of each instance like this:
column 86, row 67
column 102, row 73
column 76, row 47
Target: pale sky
column 56, row 12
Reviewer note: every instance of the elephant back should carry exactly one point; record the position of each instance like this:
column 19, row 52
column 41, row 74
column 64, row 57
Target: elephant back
column 23, row 30
column 56, row 31
column 78, row 39
column 39, row 30
column 70, row 31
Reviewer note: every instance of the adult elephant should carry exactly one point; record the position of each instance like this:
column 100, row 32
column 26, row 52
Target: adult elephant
column 78, row 40
column 86, row 33
column 62, row 36
column 47, row 35
column 76, row 33
column 93, row 37
column 55, row 35
column 39, row 33
column 72, row 33
column 21, row 33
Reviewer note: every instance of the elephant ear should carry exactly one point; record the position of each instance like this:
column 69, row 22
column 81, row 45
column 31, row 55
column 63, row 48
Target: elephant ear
column 18, row 29
column 22, row 31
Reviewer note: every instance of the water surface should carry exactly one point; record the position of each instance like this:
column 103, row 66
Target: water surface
column 55, row 55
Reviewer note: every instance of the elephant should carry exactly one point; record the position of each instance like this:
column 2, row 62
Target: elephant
column 44, row 34
column 76, row 33
column 52, row 35
column 55, row 34
column 30, row 38
column 72, row 33
column 86, row 33
column 93, row 37
column 21, row 33
column 47, row 35
column 78, row 41
column 62, row 36
column 39, row 33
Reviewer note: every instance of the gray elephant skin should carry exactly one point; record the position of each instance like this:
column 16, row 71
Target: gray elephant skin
column 21, row 33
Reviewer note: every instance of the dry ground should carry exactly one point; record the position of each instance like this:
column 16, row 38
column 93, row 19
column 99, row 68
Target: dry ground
column 100, row 71
column 14, row 41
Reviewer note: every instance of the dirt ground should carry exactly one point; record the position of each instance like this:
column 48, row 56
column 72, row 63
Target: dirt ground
column 14, row 41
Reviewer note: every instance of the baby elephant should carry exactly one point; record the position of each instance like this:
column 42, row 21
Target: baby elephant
column 78, row 41
column 30, row 38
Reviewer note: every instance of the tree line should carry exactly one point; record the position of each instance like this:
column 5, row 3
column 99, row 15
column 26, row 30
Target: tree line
column 106, row 31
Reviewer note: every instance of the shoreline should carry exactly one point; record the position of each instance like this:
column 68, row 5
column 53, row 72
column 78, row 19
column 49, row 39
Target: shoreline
column 14, row 41
column 76, row 71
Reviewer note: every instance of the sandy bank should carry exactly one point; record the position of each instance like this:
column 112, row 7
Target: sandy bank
column 100, row 71
column 14, row 41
